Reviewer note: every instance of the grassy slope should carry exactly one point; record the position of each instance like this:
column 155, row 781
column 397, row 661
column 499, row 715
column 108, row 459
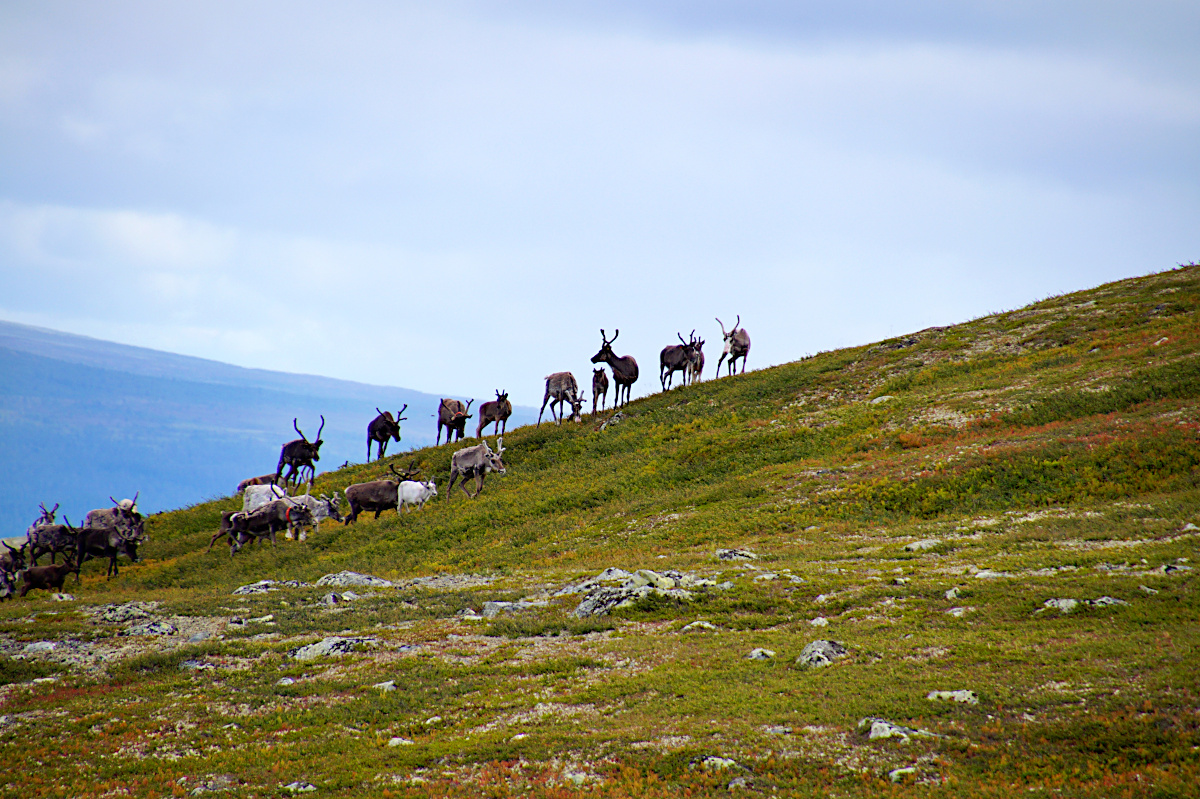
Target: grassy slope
column 1057, row 444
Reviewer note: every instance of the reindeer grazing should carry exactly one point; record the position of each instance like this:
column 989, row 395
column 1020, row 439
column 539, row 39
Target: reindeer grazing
column 599, row 388
column 676, row 358
column 299, row 455
column 561, row 387
column 377, row 495
column 737, row 345
column 496, row 411
column 452, row 415
column 696, row 365
column 624, row 369
column 475, row 462
column 383, row 427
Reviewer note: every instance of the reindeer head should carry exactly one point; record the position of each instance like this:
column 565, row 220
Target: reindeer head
column 732, row 331
column 16, row 556
column 47, row 516
column 606, row 350
column 314, row 447
column 463, row 415
column 492, row 460
column 501, row 396
column 332, row 506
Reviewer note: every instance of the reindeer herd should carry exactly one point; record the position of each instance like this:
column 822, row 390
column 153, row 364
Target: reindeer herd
column 267, row 509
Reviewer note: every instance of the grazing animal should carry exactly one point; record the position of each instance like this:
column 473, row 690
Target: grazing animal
column 257, row 496
column 100, row 542
column 696, row 365
column 47, row 517
column 561, row 387
column 47, row 577
column 266, row 522
column 123, row 518
column 299, row 455
column 496, row 411
column 737, row 345
column 14, row 559
column 676, row 358
column 8, row 585
column 416, row 493
column 452, row 415
column 322, row 508
column 624, row 368
column 51, row 539
column 261, row 480
column 599, row 388
column 384, row 427
column 377, row 495
column 226, row 528
column 475, row 462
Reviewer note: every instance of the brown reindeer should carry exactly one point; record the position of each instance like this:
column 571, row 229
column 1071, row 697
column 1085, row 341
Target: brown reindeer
column 599, row 388
column 452, row 415
column 676, row 358
column 497, row 412
column 384, row 427
column 737, row 345
column 299, row 455
column 624, row 368
column 561, row 387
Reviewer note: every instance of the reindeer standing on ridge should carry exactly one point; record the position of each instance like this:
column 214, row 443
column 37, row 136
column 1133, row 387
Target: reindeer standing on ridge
column 497, row 411
column 737, row 345
column 599, row 388
column 384, row 427
column 676, row 358
column 299, row 455
column 624, row 368
column 452, row 415
column 561, row 388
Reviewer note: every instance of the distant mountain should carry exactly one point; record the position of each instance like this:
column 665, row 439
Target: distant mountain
column 82, row 419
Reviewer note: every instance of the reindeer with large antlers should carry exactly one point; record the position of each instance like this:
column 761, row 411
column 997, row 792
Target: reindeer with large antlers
column 624, row 368
column 676, row 358
column 299, row 455
column 452, row 415
column 737, row 345
column 384, row 427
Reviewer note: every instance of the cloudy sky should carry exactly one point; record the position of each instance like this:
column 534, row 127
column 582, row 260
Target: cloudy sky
column 456, row 196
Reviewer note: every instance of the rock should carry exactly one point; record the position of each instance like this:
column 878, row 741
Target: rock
column 270, row 617
column 196, row 638
column 988, row 574
column 1188, row 528
column 1171, row 568
column 349, row 578
column 576, row 778
column 333, row 645
column 771, row 729
column 899, row 580
column 1106, row 601
column 923, row 544
column 736, row 554
column 761, row 654
column 713, row 763
column 765, row 577
column 821, row 653
column 62, row 597
column 390, row 685
column 898, row 774
column 299, row 787
column 121, row 614
column 331, row 598
column 883, row 399
column 699, row 626
column 616, row 418
column 40, row 647
column 215, row 784
column 261, row 587
column 429, row 722
column 820, row 621
column 882, row 728
column 399, row 742
column 1148, row 589
column 958, row 613
column 653, row 579
column 285, row 681
column 965, row 697
column 738, row 782
column 952, row 594
column 1061, row 605
column 195, row 665
column 151, row 628
column 493, row 609
column 725, row 586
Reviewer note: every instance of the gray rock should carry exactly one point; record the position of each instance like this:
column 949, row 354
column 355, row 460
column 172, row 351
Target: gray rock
column 151, row 628
column 713, row 763
column 285, row 681
column 736, row 554
column 988, row 574
column 878, row 728
column 390, row 685
column 699, row 626
column 601, row 599
column 299, row 787
column 1148, row 589
column 331, row 598
column 821, row 653
column 348, row 578
column 333, row 645
column 399, row 742
column 775, row 729
column 40, row 647
column 1061, row 605
column 653, row 579
column 195, row 665
column 122, row 614
column 952, row 594
column 261, row 587
column 738, row 783
column 965, row 697
column 1106, row 601
column 616, row 418
column 898, row 774
column 761, row 654
column 196, row 638
column 958, row 613
column 883, row 399
column 918, row 546
column 493, row 609
column 819, row 621
column 62, row 597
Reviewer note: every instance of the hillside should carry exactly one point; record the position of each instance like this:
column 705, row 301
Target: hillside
column 82, row 419
column 1004, row 511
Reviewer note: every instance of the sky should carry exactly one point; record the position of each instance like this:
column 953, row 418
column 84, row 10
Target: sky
column 456, row 197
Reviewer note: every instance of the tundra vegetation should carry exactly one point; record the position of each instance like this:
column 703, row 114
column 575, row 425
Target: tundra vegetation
column 1007, row 507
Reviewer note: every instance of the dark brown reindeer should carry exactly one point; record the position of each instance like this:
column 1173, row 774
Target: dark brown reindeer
column 624, row 369
column 299, row 455
column 599, row 388
column 377, row 495
column 696, row 366
column 561, row 387
column 261, row 480
column 496, row 411
column 737, row 345
column 676, row 358
column 383, row 427
column 452, row 415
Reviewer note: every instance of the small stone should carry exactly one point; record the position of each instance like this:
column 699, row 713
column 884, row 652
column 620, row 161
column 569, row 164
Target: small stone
column 283, row 681
column 1061, row 605
column 699, row 626
column 821, row 653
column 883, row 399
column 713, row 763
column 898, row 774
column 1148, row 589
column 736, row 554
column 62, row 597
column 433, row 720
column 964, row 697
column 917, row 546
column 820, row 621
column 952, row 594
column 390, row 685
column 300, row 787
column 399, row 742
column 40, row 647
column 761, row 654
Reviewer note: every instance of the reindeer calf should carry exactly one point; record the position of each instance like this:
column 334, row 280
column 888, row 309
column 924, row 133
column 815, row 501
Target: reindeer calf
column 46, row 577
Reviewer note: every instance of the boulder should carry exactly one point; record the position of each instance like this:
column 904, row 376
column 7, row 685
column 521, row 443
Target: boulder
column 155, row 627
column 964, row 697
column 878, row 728
column 918, row 546
column 333, row 645
column 261, row 587
column 1061, row 605
column 736, row 554
column 821, row 653
column 493, row 609
column 346, row 579
column 121, row 614
column 761, row 654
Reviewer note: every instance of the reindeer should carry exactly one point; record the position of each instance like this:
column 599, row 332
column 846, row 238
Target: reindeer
column 261, row 480
column 383, row 427
column 599, row 388
column 676, row 358
column 696, row 363
column 299, row 455
column 475, row 462
column 561, row 387
column 625, row 368
column 452, row 415
column 737, row 345
column 496, row 411
column 377, row 495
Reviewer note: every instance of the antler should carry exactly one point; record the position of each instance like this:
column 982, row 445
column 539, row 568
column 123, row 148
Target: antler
column 499, row 445
column 468, row 410
column 692, row 336
column 722, row 324
column 681, row 341
column 136, row 494
column 378, row 411
column 110, row 496
column 298, row 429
column 738, row 322
column 322, row 427
column 400, row 417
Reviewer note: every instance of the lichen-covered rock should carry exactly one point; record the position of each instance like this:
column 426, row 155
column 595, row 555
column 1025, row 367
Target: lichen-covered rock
column 699, row 626
column 736, row 554
column 493, row 609
column 878, row 728
column 821, row 653
column 1061, row 605
column 346, row 579
column 124, row 613
column 963, row 696
column 155, row 627
column 334, row 645
column 761, row 654
column 918, row 546
column 261, row 587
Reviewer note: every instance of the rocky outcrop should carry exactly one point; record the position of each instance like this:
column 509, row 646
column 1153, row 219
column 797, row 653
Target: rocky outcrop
column 821, row 653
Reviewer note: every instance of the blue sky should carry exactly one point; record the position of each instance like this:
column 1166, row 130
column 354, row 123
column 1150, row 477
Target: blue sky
column 455, row 197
